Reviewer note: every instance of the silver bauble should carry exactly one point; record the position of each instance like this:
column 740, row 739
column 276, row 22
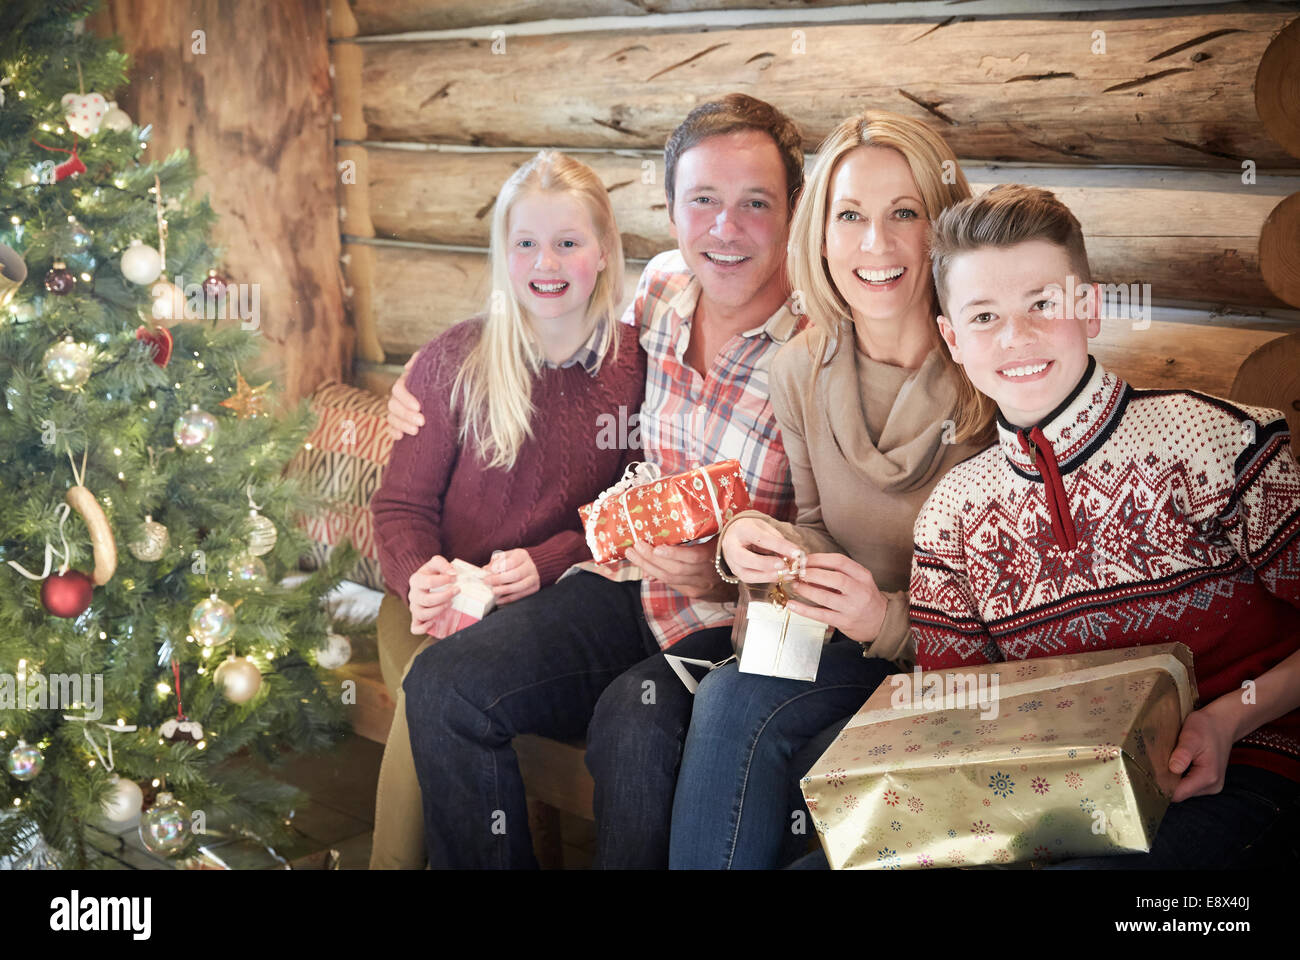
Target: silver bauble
column 67, row 363
column 195, row 429
column 247, row 570
column 212, row 621
column 24, row 761
column 165, row 827
column 261, row 534
column 335, row 652
column 152, row 543
column 124, row 801
column 141, row 263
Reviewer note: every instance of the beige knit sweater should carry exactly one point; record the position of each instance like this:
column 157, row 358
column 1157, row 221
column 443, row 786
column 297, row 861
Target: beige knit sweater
column 866, row 446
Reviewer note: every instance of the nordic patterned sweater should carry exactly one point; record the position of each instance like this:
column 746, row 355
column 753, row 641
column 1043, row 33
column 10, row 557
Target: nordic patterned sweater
column 1126, row 517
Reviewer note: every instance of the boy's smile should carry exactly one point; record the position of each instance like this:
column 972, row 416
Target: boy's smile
column 1012, row 330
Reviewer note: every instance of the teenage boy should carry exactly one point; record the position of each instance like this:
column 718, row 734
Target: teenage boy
column 711, row 314
column 1107, row 516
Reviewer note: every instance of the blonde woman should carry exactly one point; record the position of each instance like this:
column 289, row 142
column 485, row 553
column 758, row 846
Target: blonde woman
column 873, row 412
column 508, row 449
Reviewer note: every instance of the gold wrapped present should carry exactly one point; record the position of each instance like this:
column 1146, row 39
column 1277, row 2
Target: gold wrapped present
column 1033, row 761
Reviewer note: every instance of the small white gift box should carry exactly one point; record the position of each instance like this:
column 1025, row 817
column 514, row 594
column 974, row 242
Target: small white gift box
column 473, row 601
column 772, row 640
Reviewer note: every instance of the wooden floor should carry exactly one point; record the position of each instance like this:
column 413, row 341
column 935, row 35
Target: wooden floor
column 340, row 815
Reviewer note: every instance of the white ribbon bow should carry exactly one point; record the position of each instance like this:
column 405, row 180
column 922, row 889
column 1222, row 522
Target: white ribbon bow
column 637, row 474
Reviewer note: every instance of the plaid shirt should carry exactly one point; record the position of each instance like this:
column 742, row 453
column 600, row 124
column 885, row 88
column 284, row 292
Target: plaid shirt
column 587, row 354
column 689, row 421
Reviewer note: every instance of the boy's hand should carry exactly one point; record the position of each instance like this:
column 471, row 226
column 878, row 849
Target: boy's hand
column 846, row 589
column 404, row 415
column 1203, row 746
column 687, row 569
column 430, row 590
column 512, row 575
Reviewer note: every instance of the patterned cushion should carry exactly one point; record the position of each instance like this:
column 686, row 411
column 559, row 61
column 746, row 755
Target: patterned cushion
column 344, row 462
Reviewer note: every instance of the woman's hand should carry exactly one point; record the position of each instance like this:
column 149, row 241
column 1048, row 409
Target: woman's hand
column 404, row 415
column 512, row 575
column 1203, row 746
column 754, row 551
column 846, row 589
column 429, row 593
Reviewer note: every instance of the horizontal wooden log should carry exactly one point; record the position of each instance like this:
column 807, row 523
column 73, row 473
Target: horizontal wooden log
column 365, row 18
column 1167, row 90
column 1191, row 235
column 418, row 293
column 405, row 296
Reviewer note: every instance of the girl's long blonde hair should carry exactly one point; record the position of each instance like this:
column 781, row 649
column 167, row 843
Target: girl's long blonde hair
column 494, row 385
column 941, row 182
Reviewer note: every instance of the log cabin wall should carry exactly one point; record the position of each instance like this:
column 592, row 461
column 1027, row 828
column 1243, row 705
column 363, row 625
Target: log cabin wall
column 250, row 98
column 1172, row 132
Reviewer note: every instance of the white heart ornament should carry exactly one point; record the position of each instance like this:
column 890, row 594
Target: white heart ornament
column 84, row 112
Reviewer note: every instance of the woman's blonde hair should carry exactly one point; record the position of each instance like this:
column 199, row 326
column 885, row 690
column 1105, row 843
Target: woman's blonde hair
column 939, row 179
column 495, row 383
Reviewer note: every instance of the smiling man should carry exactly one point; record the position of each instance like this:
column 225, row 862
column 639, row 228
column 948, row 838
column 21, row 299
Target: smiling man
column 585, row 656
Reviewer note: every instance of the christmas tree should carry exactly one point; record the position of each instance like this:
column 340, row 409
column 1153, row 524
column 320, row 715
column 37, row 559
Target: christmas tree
column 145, row 522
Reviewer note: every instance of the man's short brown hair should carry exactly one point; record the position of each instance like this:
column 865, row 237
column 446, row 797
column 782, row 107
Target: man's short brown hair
column 1006, row 215
column 730, row 114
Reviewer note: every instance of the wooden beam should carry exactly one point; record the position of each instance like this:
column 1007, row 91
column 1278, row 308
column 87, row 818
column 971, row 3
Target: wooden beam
column 263, row 143
column 411, row 294
column 1167, row 90
column 373, row 17
column 1192, row 235
column 419, row 293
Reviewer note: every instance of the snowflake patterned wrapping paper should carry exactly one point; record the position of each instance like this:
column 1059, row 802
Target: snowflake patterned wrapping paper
column 1021, row 761
column 645, row 508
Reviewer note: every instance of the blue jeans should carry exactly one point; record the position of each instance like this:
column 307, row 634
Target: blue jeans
column 542, row 666
column 737, row 804
column 634, row 747
column 1254, row 821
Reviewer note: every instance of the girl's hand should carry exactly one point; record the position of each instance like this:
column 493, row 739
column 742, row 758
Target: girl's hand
column 1203, row 746
column 403, row 409
column 429, row 592
column 754, row 551
column 512, row 575
column 846, row 589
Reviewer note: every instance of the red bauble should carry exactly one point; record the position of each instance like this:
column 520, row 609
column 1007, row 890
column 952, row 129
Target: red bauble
column 67, row 595
column 160, row 338
column 214, row 285
column 60, row 279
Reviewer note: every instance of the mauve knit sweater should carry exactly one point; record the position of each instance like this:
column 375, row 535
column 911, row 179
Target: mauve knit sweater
column 437, row 498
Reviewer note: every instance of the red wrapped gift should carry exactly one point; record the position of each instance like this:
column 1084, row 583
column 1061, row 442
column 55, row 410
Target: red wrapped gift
column 644, row 507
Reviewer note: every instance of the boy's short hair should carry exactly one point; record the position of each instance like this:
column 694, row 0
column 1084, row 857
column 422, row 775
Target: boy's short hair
column 1007, row 214
column 730, row 114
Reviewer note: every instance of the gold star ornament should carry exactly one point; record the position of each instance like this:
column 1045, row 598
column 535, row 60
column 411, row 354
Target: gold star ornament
column 247, row 401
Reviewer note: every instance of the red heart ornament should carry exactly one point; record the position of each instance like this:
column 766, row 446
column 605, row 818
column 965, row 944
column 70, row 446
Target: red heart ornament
column 160, row 338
